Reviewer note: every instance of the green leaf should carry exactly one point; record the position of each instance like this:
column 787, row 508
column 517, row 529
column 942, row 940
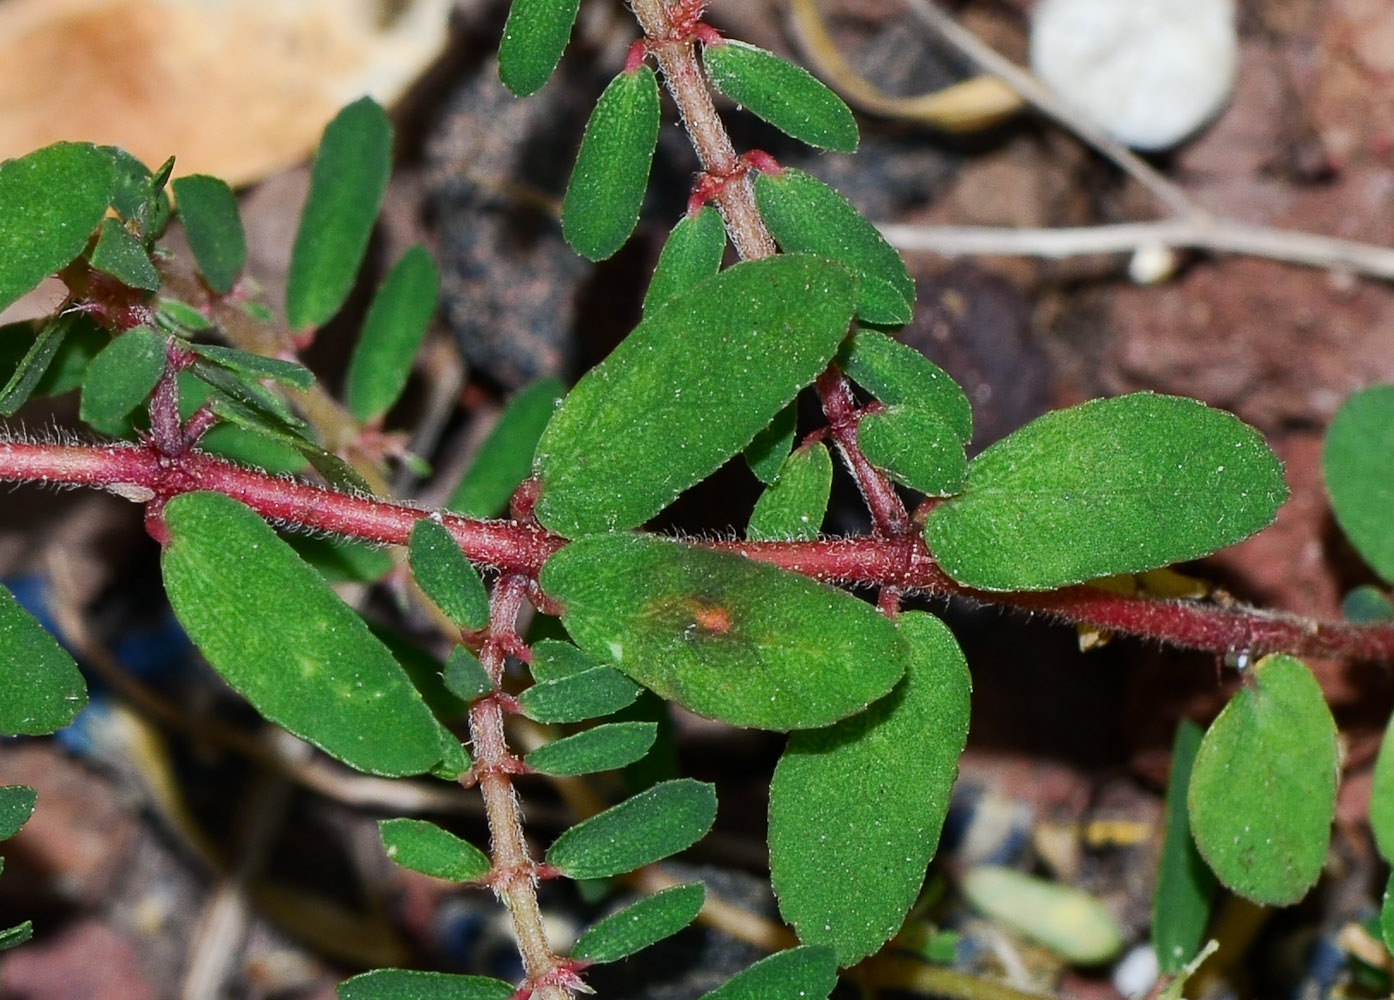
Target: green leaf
column 604, row 748
column 256, row 405
column 121, row 378
column 505, row 458
column 807, row 973
column 691, row 254
column 895, row 373
column 787, row 96
column 1382, row 795
column 553, row 659
column 1110, row 486
column 914, row 446
column 652, row 825
column 1358, row 465
column 1185, row 887
column 33, row 365
column 856, row 809
column 534, row 37
column 1386, row 915
column 687, row 389
column 724, row 636
column 256, row 366
column 16, row 806
column 1366, row 605
column 13, row 937
column 1065, row 921
column 411, row 984
column 50, row 201
column 607, row 186
column 246, row 441
column 766, row 453
column 1263, row 789
column 587, row 695
column 426, row 848
column 347, row 183
column 641, row 924
column 40, row 687
column 447, row 576
column 807, row 216
column 794, row 505
column 214, row 227
column 392, row 333
column 138, row 195
column 465, row 677
column 309, row 663
column 122, row 254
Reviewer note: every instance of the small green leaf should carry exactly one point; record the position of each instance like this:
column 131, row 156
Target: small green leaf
column 40, row 688
column 766, row 453
column 1366, row 605
column 687, row 389
column 1065, row 921
column 1358, row 466
column 856, row 809
column 505, row 458
column 214, row 227
column 1110, row 486
column 806, row 973
column 121, row 254
column 137, row 195
column 275, row 631
column 534, row 37
column 1263, row 789
column 604, row 748
column 553, row 659
column 807, row 216
column 587, row 695
column 412, row 984
column 465, row 677
column 914, row 446
column 1382, row 795
column 607, row 185
column 392, row 333
column 426, row 848
column 652, row 825
column 787, row 96
column 246, row 363
column 121, row 378
column 50, row 201
column 794, row 505
column 895, row 373
column 33, row 365
column 447, row 576
column 13, row 937
column 724, row 636
column 691, row 254
column 347, row 183
column 641, row 924
column 256, row 404
column 456, row 762
column 1185, row 887
column 16, row 806
column 180, row 318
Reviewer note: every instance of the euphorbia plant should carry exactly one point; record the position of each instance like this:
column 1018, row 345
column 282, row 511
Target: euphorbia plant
column 199, row 391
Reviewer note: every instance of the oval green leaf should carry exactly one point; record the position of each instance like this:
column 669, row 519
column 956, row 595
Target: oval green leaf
column 1382, row 795
column 578, row 697
column 392, row 333
column 534, row 37
column 1185, row 887
column 426, row 848
column 1110, row 486
column 50, row 202
column 807, row 216
column 1358, row 466
column 787, row 96
column 769, row 448
column 807, row 973
column 915, row 447
column 856, row 809
column 1263, row 789
column 691, row 254
column 505, row 458
column 895, row 373
column 604, row 748
column 214, row 227
column 446, row 576
column 607, row 185
column 1064, row 920
column 256, row 366
column 641, row 924
column 465, row 677
column 347, row 182
column 309, row 663
column 412, row 984
column 722, row 635
column 16, row 806
column 687, row 389
column 40, row 688
column 665, row 819
column 794, row 505
column 122, row 255
column 121, row 377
